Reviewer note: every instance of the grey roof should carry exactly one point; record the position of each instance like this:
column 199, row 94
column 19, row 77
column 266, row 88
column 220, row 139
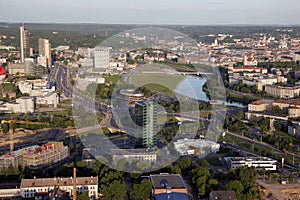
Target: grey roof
column 174, row 181
column 171, row 196
column 223, row 195
column 50, row 182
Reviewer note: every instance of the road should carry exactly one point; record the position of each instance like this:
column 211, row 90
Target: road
column 266, row 146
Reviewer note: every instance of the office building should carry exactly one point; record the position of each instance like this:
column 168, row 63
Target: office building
column 146, row 119
column 24, row 43
column 258, row 162
column 101, row 58
column 44, row 52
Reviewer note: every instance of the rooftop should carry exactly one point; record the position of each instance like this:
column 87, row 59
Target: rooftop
column 223, row 195
column 161, row 181
column 171, row 196
column 50, row 182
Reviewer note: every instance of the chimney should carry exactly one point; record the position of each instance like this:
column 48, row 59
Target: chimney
column 74, row 184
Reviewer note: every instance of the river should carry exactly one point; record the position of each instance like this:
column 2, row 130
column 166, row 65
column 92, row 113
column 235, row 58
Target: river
column 192, row 86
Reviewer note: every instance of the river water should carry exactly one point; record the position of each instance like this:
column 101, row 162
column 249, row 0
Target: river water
column 192, row 86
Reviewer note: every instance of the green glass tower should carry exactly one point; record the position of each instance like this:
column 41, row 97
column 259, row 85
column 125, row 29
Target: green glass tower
column 146, row 119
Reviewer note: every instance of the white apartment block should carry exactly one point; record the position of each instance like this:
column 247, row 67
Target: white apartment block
column 22, row 105
column 101, row 58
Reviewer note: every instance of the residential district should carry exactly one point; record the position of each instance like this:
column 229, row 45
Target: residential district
column 54, row 97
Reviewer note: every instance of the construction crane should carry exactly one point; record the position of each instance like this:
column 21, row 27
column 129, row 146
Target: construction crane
column 11, row 128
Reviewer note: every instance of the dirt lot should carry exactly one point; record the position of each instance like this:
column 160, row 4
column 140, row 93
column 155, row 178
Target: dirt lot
column 281, row 192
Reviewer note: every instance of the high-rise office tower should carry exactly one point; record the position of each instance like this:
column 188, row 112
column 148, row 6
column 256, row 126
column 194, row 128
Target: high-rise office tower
column 146, row 118
column 24, row 43
column 101, row 58
column 45, row 52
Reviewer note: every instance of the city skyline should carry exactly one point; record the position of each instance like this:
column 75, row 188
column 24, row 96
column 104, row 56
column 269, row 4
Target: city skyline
column 190, row 12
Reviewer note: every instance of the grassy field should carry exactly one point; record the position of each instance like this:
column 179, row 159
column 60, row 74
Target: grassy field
column 155, row 81
column 112, row 78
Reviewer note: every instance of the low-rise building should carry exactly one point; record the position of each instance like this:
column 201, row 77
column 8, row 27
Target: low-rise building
column 261, row 108
column 258, row 162
column 166, row 186
column 247, row 69
column 195, row 147
column 35, row 156
column 259, row 105
column 89, row 156
column 283, row 92
column 222, row 195
column 14, row 69
column 50, row 99
column 140, row 155
column 21, row 105
column 30, row 187
column 10, row 193
column 294, row 129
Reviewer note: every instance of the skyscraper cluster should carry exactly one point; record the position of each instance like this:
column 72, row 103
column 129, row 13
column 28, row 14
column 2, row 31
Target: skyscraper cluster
column 44, row 49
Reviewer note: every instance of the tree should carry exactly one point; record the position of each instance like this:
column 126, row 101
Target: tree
column 240, row 114
column 5, row 128
column 292, row 177
column 264, row 125
column 114, row 191
column 141, row 191
column 248, row 176
column 83, row 196
column 143, row 165
column 200, row 177
column 176, row 169
column 184, row 163
column 213, row 184
column 253, row 121
column 237, row 186
column 276, row 109
column 227, row 122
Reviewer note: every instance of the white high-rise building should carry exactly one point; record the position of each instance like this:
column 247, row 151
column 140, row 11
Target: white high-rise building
column 45, row 52
column 101, row 58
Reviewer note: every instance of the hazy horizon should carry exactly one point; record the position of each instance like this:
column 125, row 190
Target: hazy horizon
column 155, row 12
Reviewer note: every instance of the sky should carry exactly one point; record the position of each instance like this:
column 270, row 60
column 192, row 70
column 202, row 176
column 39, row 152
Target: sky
column 185, row 12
